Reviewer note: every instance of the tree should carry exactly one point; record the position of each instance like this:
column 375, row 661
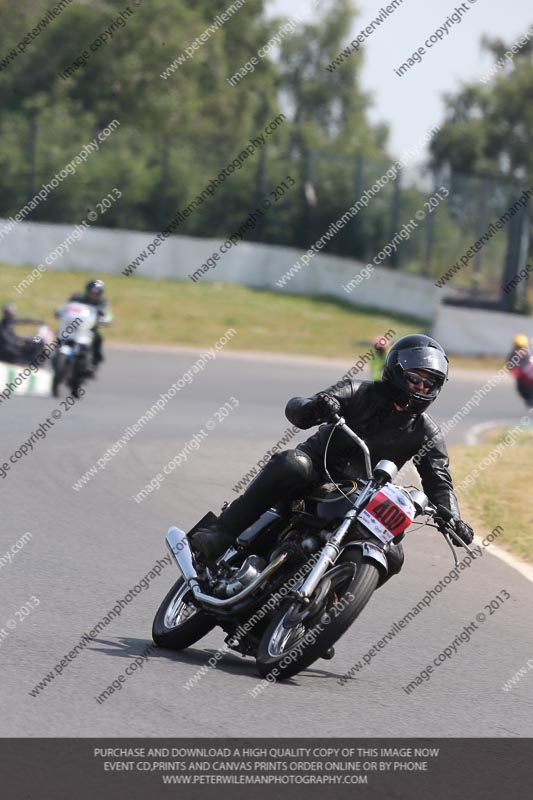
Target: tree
column 489, row 127
column 180, row 126
column 487, row 145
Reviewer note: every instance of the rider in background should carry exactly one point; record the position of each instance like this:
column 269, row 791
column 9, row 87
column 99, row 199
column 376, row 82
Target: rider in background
column 381, row 348
column 94, row 296
column 17, row 349
column 522, row 369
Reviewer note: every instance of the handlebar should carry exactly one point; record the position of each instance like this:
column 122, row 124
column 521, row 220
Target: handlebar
column 438, row 511
column 446, row 515
column 340, row 422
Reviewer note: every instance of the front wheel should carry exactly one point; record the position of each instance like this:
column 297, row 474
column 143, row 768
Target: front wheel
column 178, row 623
column 61, row 367
column 79, row 373
column 299, row 635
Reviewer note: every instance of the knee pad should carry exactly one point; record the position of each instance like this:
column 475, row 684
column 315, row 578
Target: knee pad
column 295, row 464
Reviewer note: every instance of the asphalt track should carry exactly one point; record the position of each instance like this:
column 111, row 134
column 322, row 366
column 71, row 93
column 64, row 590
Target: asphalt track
column 89, row 548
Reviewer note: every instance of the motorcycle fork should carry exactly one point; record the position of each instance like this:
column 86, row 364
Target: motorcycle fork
column 326, row 559
column 332, row 549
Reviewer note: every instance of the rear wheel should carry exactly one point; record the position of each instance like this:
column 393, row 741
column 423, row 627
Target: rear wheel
column 299, row 634
column 178, row 623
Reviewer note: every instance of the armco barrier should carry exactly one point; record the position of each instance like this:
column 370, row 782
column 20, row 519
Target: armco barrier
column 461, row 330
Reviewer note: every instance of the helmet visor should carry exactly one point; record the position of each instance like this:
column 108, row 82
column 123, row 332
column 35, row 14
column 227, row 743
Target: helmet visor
column 428, row 358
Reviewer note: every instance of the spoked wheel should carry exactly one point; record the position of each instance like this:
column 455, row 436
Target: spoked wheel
column 300, row 634
column 178, row 623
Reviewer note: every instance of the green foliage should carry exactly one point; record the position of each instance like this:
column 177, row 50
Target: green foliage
column 489, row 126
column 486, row 145
column 177, row 133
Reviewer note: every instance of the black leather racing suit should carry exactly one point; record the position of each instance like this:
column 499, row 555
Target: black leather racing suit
column 395, row 435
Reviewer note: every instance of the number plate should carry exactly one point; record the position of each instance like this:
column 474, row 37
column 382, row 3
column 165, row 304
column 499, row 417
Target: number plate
column 388, row 514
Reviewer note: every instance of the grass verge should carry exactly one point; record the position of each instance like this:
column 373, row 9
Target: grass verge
column 171, row 312
column 499, row 497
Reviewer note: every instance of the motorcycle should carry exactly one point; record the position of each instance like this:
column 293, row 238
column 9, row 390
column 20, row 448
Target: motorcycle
column 298, row 578
column 13, row 373
column 524, row 379
column 73, row 363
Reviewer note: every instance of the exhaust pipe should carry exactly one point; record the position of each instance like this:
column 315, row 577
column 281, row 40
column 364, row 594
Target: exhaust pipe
column 180, row 548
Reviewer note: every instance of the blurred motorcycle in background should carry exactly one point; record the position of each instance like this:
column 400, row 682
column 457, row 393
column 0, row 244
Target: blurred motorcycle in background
column 73, row 363
column 522, row 358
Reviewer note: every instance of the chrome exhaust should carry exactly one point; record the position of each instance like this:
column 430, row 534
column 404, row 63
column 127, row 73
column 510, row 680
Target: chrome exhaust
column 180, row 548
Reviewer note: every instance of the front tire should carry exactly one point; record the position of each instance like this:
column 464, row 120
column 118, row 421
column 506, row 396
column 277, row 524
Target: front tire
column 178, row 623
column 60, row 370
column 353, row 581
column 79, row 372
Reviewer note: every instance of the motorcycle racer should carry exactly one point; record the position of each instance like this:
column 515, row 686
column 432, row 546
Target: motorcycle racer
column 16, row 349
column 93, row 295
column 390, row 416
column 522, row 358
column 379, row 356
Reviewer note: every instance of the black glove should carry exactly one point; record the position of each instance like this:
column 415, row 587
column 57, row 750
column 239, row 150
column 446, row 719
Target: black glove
column 463, row 530
column 323, row 408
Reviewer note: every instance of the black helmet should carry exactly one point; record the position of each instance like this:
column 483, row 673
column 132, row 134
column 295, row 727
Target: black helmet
column 95, row 286
column 414, row 352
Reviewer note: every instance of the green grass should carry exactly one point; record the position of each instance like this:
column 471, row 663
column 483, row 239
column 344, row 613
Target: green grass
column 162, row 311
column 499, row 497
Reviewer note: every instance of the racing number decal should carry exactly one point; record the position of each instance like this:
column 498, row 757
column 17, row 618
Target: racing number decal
column 389, row 513
column 391, row 516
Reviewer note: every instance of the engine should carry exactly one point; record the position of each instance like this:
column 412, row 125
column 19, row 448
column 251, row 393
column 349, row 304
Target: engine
column 242, row 577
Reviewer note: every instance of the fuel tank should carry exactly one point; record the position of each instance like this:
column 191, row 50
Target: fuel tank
column 328, row 503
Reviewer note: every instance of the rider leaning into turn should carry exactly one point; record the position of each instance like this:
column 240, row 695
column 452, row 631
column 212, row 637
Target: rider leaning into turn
column 94, row 296
column 388, row 414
